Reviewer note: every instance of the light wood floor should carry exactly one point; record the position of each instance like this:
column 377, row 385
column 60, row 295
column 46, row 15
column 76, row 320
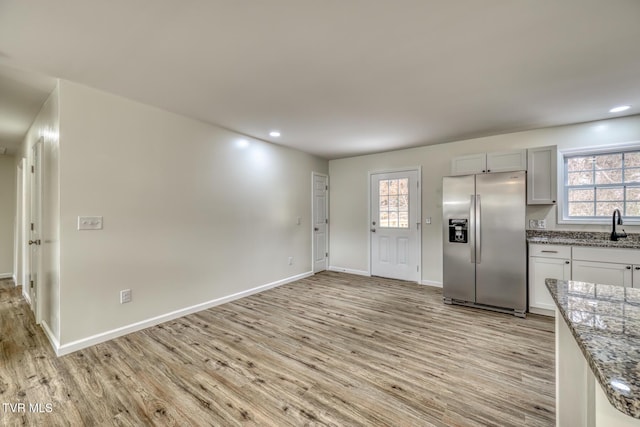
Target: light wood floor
column 332, row 349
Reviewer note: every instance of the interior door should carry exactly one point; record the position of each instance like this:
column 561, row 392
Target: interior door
column 320, row 222
column 35, row 229
column 395, row 225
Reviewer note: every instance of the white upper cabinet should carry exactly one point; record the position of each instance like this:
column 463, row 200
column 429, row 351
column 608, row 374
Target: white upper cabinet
column 542, row 175
column 507, row 161
column 503, row 161
column 468, row 165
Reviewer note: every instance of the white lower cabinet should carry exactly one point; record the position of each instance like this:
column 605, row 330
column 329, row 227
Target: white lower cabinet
column 546, row 262
column 608, row 273
column 609, row 266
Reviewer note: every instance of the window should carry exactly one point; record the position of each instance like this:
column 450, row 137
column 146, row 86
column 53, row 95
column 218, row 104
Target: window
column 394, row 203
column 596, row 184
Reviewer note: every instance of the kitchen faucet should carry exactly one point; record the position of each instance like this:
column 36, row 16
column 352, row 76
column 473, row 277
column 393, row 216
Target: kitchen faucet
column 615, row 235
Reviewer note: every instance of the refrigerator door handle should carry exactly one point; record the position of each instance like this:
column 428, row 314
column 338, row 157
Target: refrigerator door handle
column 472, row 227
column 478, row 230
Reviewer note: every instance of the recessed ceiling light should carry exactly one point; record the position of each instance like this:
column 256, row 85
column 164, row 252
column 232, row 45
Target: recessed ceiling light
column 620, row 108
column 274, row 133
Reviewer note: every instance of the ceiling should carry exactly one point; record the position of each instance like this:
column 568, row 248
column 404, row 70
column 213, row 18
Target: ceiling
column 341, row 77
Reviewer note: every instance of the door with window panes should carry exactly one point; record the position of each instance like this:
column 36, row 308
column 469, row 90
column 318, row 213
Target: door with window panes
column 596, row 184
column 395, row 225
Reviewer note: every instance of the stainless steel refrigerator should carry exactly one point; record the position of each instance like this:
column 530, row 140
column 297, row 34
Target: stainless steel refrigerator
column 484, row 242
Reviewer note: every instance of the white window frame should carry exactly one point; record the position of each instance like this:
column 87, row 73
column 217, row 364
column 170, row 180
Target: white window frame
column 586, row 151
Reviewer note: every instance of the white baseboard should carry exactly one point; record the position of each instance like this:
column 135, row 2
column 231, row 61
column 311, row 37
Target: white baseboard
column 349, row 270
column 61, row 350
column 432, row 283
column 6, row 275
column 52, row 338
column 26, row 296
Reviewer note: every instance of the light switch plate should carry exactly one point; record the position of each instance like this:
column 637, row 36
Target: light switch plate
column 89, row 223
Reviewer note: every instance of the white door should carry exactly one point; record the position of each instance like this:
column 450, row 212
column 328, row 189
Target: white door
column 395, row 225
column 541, row 269
column 320, row 222
column 35, row 229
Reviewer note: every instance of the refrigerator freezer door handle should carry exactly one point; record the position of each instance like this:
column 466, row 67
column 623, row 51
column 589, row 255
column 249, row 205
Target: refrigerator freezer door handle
column 472, row 227
column 478, row 230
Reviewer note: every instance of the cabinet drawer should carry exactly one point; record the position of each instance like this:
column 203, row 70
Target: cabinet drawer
column 550, row 251
column 616, row 255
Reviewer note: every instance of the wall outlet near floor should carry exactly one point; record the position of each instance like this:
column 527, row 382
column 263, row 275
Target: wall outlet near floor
column 290, row 260
column 125, row 296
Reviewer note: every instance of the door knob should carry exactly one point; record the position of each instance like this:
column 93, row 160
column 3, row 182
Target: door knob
column 373, row 230
column 316, row 229
column 34, row 242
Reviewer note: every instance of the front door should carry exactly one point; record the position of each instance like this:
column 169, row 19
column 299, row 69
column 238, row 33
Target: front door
column 395, row 225
column 35, row 231
column 320, row 221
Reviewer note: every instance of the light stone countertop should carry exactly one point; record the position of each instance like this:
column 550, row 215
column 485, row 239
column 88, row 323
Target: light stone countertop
column 581, row 238
column 605, row 322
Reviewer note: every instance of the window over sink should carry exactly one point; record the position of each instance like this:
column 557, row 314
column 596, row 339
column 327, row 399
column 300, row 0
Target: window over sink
column 596, row 183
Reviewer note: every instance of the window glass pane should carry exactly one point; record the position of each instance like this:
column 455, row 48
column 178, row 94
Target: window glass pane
column 633, row 209
column 404, row 186
column 384, row 203
column 632, row 175
column 403, row 203
column 580, row 195
column 393, row 203
column 633, row 193
column 609, row 177
column 580, row 178
column 610, row 194
column 393, row 186
column 403, row 219
column 384, row 219
column 384, row 187
column 606, row 208
column 579, row 163
column 393, row 219
column 581, row 209
column 609, row 161
column 632, row 160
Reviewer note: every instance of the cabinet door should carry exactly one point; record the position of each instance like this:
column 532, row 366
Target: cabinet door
column 541, row 269
column 468, row 165
column 542, row 175
column 507, row 161
column 607, row 273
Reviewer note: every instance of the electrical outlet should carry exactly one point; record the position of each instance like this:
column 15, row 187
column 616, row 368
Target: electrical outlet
column 290, row 260
column 542, row 223
column 125, row 296
column 427, row 221
column 533, row 223
column 89, row 223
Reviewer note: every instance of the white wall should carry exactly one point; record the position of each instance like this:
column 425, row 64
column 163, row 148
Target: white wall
column 348, row 197
column 7, row 214
column 190, row 214
column 46, row 127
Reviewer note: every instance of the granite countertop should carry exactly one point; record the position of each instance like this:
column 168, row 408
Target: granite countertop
column 605, row 321
column 582, row 238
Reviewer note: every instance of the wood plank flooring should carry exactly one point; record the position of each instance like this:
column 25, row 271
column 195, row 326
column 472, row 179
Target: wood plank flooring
column 332, row 349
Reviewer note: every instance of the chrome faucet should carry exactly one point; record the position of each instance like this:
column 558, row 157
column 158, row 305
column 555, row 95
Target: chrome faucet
column 615, row 235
